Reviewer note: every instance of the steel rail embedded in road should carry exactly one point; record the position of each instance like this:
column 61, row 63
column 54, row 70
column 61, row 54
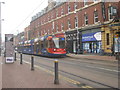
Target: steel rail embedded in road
column 71, row 74
column 68, row 73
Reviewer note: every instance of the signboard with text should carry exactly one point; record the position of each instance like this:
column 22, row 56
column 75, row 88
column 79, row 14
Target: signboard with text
column 91, row 37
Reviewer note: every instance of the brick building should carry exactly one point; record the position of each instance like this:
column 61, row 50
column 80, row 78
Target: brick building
column 27, row 33
column 80, row 21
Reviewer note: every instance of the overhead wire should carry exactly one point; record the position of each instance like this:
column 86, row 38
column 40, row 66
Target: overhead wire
column 29, row 15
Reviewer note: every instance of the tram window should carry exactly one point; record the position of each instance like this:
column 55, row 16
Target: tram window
column 46, row 43
column 41, row 45
column 51, row 44
column 62, row 44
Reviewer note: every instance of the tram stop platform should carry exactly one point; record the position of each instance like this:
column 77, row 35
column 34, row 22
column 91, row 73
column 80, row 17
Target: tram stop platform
column 16, row 75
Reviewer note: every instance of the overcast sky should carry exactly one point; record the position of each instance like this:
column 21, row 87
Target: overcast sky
column 14, row 13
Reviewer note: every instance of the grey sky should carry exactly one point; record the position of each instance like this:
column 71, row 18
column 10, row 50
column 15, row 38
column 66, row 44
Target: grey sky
column 15, row 13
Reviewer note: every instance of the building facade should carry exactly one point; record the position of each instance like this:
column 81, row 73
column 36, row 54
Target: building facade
column 81, row 22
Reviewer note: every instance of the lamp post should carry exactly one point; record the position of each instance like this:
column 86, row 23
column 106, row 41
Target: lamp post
column 0, row 27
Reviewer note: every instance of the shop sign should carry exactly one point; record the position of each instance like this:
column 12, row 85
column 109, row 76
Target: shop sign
column 91, row 37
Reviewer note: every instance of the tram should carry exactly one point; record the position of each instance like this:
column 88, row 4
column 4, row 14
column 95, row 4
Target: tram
column 48, row 45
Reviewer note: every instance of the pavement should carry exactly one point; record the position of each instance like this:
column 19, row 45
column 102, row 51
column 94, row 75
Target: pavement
column 92, row 57
column 15, row 75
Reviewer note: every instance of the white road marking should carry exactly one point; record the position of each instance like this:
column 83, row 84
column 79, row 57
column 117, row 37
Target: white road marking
column 103, row 69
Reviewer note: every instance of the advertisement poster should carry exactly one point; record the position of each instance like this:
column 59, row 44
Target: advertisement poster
column 117, row 44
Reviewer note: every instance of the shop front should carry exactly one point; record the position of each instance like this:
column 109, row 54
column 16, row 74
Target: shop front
column 71, row 41
column 91, row 42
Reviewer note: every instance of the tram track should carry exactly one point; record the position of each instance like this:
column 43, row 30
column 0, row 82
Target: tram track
column 62, row 72
column 50, row 69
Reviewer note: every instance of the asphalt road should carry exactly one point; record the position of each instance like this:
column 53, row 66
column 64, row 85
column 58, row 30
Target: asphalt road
column 97, row 74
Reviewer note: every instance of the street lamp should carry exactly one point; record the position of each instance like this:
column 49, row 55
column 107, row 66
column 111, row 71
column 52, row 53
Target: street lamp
column 0, row 26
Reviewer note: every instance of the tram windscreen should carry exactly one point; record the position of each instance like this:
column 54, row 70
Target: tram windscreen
column 59, row 42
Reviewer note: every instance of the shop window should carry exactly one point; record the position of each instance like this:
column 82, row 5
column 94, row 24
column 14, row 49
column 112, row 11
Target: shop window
column 107, row 39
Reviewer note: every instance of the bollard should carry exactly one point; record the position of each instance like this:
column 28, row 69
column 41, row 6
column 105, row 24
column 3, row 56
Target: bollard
column 15, row 56
column 56, row 80
column 20, row 58
column 32, row 63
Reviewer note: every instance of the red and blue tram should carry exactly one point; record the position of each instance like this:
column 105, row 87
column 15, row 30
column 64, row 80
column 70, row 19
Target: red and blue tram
column 49, row 45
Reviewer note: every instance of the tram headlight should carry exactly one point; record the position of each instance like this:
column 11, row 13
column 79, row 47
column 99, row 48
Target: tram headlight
column 54, row 49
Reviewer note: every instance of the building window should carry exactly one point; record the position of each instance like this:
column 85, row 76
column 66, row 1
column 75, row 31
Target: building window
column 62, row 26
column 53, row 25
column 68, row 8
column 85, row 2
column 75, row 5
column 107, row 38
column 56, row 28
column 62, row 11
column 95, row 16
column 86, row 19
column 69, row 25
column 76, row 22
column 110, row 10
column 95, row 1
column 48, row 17
column 56, row 13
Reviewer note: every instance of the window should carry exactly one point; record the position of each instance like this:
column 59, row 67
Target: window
column 56, row 13
column 76, row 22
column 62, row 26
column 56, row 28
column 48, row 31
column 53, row 25
column 86, row 19
column 85, row 2
column 107, row 38
column 95, row 0
column 110, row 10
column 95, row 16
column 75, row 5
column 69, row 25
column 68, row 8
column 62, row 11
column 48, row 17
